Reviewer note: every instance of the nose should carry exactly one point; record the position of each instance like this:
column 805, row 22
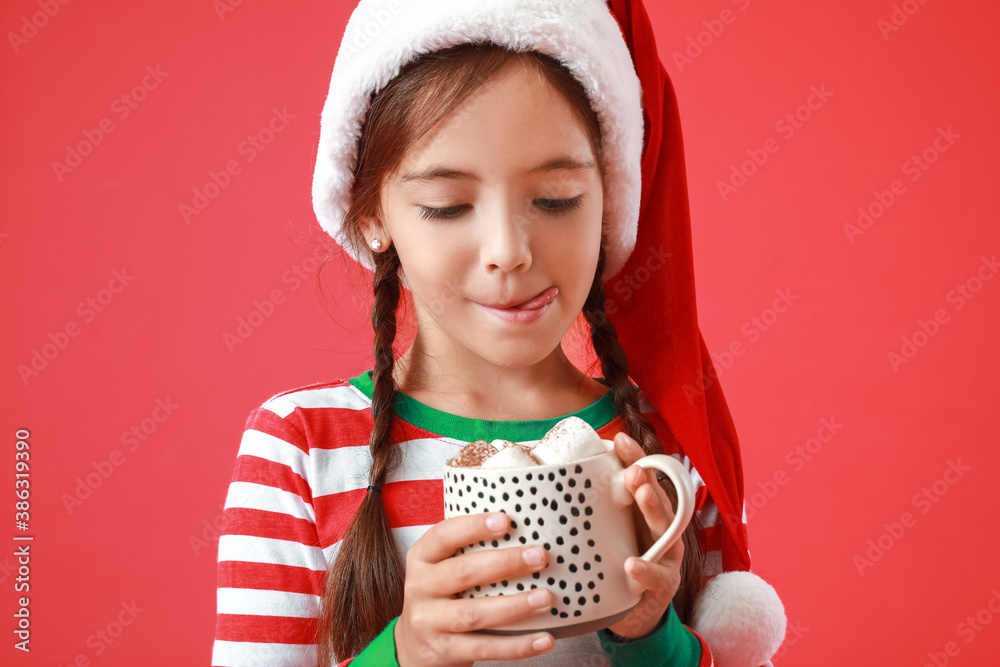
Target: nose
column 506, row 241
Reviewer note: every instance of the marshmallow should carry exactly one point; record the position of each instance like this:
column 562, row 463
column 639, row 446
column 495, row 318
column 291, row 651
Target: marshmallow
column 571, row 439
column 510, row 456
column 473, row 455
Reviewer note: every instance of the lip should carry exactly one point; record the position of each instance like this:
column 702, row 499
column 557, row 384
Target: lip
column 541, row 299
column 527, row 311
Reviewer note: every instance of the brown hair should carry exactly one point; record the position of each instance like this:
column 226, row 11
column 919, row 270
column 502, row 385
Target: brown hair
column 364, row 585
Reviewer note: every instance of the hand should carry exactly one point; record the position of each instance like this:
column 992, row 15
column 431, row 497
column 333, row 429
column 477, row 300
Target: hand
column 435, row 626
column 652, row 514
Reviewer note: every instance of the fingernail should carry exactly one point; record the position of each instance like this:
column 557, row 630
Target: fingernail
column 533, row 556
column 496, row 522
column 540, row 644
column 637, row 566
column 539, row 598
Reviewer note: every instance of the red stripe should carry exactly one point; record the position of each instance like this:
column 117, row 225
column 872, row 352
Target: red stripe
column 333, row 427
column 318, row 385
column 713, row 538
column 267, row 422
column 701, row 497
column 273, row 525
column 410, row 503
column 404, row 430
column 608, row 431
column 334, row 513
column 270, row 577
column 257, row 470
column 414, row 503
column 265, row 629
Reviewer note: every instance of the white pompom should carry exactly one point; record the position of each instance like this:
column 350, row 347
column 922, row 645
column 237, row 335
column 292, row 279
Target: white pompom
column 741, row 618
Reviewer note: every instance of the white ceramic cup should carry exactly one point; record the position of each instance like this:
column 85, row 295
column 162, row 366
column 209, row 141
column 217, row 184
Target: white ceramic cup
column 580, row 512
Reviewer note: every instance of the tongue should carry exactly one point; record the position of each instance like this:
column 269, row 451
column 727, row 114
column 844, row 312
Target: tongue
column 539, row 301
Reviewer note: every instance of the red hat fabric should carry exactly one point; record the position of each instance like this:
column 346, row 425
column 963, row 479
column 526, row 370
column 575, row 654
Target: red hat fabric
column 658, row 325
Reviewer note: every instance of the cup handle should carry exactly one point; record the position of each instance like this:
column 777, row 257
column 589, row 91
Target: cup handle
column 673, row 469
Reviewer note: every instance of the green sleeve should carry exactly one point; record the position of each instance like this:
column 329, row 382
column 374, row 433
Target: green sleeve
column 672, row 644
column 381, row 652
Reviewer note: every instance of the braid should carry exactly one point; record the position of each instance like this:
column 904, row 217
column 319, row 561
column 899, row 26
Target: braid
column 614, row 367
column 385, row 457
column 365, row 584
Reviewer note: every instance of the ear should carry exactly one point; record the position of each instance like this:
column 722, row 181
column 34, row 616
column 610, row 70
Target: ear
column 373, row 229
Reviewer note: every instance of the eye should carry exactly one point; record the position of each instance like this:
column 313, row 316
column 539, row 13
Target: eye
column 552, row 206
column 441, row 213
column 557, row 206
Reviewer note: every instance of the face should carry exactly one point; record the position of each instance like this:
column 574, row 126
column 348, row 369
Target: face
column 499, row 205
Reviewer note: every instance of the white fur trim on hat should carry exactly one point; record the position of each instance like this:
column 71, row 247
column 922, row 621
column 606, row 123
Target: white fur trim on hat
column 741, row 618
column 383, row 35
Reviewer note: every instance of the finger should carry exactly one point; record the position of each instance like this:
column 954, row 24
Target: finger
column 660, row 579
column 478, row 568
column 495, row 611
column 470, row 647
column 627, row 449
column 444, row 538
column 655, row 507
column 636, row 476
column 657, row 584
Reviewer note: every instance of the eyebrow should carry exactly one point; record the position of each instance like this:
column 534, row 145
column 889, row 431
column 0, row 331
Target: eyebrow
column 440, row 172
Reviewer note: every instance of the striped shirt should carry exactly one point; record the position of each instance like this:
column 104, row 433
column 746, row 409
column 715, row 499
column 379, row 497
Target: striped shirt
column 302, row 471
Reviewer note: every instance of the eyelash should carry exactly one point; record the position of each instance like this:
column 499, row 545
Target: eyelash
column 563, row 206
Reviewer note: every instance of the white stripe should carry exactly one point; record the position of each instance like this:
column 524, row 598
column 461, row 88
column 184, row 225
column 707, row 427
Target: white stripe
column 713, row 563
column 347, row 397
column 709, row 515
column 251, row 549
column 346, row 468
column 268, row 498
column 255, row 602
column 695, row 475
column 254, row 654
column 270, row 448
column 405, row 537
column 408, row 535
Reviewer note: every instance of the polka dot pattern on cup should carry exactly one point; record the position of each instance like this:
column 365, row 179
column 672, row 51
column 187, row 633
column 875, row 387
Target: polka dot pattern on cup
column 552, row 507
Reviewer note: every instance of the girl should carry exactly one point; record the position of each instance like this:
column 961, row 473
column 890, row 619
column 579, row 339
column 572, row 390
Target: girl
column 487, row 160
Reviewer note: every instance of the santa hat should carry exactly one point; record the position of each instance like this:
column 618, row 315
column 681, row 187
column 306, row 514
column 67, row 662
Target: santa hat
column 611, row 50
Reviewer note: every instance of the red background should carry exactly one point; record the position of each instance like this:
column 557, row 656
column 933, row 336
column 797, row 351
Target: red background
column 146, row 533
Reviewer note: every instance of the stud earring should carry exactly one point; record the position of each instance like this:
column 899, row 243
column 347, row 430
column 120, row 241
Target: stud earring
column 376, row 244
